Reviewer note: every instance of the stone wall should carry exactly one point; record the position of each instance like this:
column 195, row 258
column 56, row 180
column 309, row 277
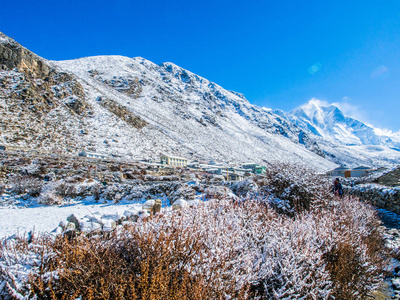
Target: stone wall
column 377, row 195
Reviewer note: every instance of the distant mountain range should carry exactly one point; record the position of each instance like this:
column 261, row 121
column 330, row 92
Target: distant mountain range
column 329, row 122
column 133, row 108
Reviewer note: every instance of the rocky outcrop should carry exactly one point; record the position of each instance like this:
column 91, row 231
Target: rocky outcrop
column 391, row 178
column 13, row 55
column 122, row 112
column 36, row 100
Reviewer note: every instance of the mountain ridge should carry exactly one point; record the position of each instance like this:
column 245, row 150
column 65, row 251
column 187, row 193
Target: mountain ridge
column 134, row 108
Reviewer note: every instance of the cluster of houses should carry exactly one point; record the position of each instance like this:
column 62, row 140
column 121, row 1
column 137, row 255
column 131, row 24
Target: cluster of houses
column 227, row 171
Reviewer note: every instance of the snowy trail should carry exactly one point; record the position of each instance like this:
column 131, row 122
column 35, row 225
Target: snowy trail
column 46, row 218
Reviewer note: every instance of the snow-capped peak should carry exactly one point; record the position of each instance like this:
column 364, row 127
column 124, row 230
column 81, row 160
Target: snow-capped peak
column 328, row 121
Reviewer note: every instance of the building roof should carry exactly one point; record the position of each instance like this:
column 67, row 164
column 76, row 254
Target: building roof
column 92, row 153
column 362, row 168
column 171, row 156
column 341, row 169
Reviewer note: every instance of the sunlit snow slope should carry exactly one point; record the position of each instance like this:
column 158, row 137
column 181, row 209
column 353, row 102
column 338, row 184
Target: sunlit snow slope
column 186, row 115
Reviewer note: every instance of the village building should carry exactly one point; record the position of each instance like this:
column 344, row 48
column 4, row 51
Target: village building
column 348, row 172
column 232, row 176
column 93, row 155
column 255, row 168
column 174, row 161
column 194, row 165
column 338, row 172
column 360, row 171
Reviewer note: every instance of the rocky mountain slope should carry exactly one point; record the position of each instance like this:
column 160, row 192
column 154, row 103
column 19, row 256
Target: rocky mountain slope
column 131, row 107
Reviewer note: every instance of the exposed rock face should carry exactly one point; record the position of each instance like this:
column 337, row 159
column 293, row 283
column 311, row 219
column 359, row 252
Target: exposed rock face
column 36, row 100
column 122, row 112
column 390, row 179
column 13, row 55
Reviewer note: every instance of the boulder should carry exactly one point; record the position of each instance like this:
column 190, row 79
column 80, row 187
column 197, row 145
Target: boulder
column 109, row 225
column 179, row 204
column 89, row 226
column 94, row 217
column 148, row 205
column 70, row 226
column 57, row 231
column 131, row 215
column 143, row 214
column 194, row 203
column 127, row 223
column 131, row 212
column 157, row 206
column 74, row 219
column 62, row 224
column 115, row 217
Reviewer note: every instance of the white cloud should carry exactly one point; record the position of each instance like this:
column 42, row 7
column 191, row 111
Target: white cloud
column 318, row 102
column 379, row 72
column 314, row 68
column 350, row 110
column 383, row 132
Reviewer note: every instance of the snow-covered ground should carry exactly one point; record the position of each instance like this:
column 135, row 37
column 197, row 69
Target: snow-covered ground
column 43, row 219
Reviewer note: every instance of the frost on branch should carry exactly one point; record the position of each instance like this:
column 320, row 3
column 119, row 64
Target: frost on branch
column 223, row 249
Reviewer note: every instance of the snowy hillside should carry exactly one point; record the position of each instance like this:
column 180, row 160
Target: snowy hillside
column 185, row 114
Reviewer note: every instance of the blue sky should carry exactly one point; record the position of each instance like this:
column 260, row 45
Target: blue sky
column 279, row 54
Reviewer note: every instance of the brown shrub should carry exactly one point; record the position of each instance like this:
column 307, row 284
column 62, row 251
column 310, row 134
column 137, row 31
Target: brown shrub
column 134, row 266
column 222, row 249
column 26, row 184
column 357, row 258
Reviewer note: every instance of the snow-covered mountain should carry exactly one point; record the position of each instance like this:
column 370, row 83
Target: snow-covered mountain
column 133, row 108
column 187, row 115
column 332, row 129
column 329, row 122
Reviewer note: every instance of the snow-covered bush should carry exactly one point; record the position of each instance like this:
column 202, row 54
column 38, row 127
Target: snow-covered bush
column 113, row 192
column 35, row 168
column 95, row 191
column 50, row 198
column 245, row 188
column 299, row 186
column 49, row 194
column 222, row 250
column 216, row 192
column 26, row 184
column 169, row 178
column 185, row 192
column 67, row 189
